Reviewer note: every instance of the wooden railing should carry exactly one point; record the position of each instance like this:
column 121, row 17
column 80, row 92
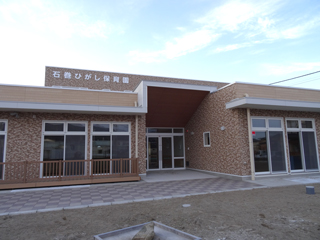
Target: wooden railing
column 68, row 170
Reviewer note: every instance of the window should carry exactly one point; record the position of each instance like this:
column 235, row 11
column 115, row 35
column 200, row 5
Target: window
column 258, row 123
column 110, row 141
column 206, row 139
column 64, row 141
column 268, row 145
column 159, row 130
column 3, row 138
column 178, row 151
column 302, row 145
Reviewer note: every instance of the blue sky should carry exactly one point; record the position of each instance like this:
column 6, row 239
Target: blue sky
column 246, row 41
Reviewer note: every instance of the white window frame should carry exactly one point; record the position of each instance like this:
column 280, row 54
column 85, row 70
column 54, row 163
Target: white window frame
column 64, row 133
column 204, row 139
column 5, row 144
column 110, row 133
column 267, row 129
column 300, row 130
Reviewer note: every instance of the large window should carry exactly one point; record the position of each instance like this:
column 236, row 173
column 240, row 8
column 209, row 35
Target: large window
column 3, row 137
column 64, row 141
column 302, row 145
column 110, row 141
column 268, row 145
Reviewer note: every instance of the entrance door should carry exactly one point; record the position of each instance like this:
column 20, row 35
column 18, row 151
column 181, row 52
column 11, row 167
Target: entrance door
column 302, row 149
column 153, row 152
column 159, row 152
column 166, row 152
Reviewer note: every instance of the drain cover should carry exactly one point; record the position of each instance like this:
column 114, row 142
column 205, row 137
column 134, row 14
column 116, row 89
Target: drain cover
column 162, row 232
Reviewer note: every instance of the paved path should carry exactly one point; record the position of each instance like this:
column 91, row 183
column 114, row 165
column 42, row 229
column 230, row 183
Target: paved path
column 51, row 199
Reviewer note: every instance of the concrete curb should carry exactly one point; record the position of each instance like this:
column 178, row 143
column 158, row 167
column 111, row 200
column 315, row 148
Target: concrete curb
column 99, row 204
column 76, row 207
column 49, row 209
column 122, row 202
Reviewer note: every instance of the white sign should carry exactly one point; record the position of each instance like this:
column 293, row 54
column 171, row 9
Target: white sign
column 106, row 78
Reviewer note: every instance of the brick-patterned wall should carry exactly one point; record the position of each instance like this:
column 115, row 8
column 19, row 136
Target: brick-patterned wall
column 142, row 143
column 290, row 114
column 229, row 150
column 24, row 133
column 134, row 80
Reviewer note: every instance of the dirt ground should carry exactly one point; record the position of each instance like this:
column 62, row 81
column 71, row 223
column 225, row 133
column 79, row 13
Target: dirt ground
column 273, row 213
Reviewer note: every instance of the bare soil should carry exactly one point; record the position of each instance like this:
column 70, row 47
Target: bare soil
column 272, row 213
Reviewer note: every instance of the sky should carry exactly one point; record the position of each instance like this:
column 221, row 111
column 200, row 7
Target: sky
column 225, row 41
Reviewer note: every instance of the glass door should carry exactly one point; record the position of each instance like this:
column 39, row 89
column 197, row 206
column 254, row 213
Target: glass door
column 260, row 149
column 153, row 152
column 295, row 151
column 166, row 148
column 302, row 145
column 268, row 145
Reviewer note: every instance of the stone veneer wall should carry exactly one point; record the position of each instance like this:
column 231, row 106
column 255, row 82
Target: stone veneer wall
column 229, row 150
column 134, row 80
column 290, row 114
column 24, row 133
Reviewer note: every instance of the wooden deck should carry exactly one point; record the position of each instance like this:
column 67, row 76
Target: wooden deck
column 68, row 172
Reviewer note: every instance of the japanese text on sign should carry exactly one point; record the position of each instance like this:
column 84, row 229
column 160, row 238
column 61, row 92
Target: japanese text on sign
column 105, row 78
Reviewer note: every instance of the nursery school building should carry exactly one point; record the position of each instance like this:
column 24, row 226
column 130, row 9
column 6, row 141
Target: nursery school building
column 92, row 127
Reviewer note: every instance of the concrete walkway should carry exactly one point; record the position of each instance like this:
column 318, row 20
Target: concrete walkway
column 58, row 198
column 287, row 179
column 154, row 186
column 175, row 175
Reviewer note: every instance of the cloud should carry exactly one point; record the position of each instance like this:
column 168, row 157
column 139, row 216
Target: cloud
column 271, row 69
column 257, row 51
column 48, row 17
column 292, row 32
column 232, row 47
column 190, row 42
column 231, row 16
column 244, row 23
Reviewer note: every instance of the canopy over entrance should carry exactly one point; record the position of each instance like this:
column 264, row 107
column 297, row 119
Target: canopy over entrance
column 170, row 107
column 170, row 104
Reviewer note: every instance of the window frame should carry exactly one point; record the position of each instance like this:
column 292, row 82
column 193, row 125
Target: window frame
column 300, row 130
column 204, row 139
column 63, row 133
column 110, row 133
column 267, row 129
column 5, row 133
column 313, row 129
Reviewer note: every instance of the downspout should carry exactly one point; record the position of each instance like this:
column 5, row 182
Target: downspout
column 250, row 145
column 136, row 136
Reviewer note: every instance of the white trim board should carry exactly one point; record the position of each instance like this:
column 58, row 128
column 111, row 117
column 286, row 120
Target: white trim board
column 273, row 104
column 74, row 108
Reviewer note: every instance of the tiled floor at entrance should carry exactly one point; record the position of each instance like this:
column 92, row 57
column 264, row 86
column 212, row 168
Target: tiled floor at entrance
column 173, row 175
column 50, row 199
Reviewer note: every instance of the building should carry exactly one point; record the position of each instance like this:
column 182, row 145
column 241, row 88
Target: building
column 90, row 126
